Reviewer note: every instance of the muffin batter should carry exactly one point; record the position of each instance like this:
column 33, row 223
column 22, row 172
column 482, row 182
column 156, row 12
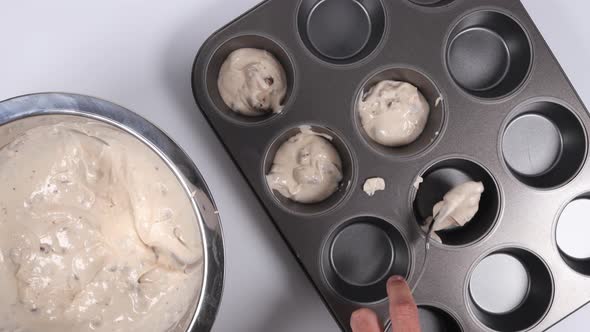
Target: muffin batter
column 252, row 82
column 457, row 208
column 97, row 234
column 419, row 180
column 373, row 185
column 393, row 113
column 306, row 168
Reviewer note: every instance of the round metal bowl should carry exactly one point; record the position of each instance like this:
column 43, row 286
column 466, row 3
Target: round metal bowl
column 22, row 113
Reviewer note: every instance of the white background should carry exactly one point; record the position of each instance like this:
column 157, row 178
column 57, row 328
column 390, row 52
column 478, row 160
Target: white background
column 139, row 54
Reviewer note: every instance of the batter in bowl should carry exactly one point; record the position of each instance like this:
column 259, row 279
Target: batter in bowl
column 252, row 82
column 97, row 234
column 306, row 168
column 393, row 113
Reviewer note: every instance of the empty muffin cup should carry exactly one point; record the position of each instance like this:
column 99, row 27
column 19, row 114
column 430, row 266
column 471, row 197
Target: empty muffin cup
column 341, row 31
column 361, row 255
column 348, row 171
column 436, row 119
column 443, row 176
column 510, row 290
column 222, row 53
column 434, row 319
column 571, row 234
column 488, row 54
column 544, row 144
column 431, row 3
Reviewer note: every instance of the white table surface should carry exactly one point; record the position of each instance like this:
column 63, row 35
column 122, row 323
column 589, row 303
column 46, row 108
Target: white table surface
column 139, row 54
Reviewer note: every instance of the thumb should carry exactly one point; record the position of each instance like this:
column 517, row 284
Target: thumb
column 364, row 320
column 402, row 308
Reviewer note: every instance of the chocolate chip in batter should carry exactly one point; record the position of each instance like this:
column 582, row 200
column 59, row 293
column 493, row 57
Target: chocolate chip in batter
column 44, row 248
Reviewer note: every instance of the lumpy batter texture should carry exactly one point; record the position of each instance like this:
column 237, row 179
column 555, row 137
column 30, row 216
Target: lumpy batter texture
column 373, row 185
column 393, row 113
column 252, row 82
column 458, row 207
column 96, row 234
column 306, row 168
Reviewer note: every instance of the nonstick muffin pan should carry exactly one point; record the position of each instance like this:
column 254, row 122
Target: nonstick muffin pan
column 502, row 112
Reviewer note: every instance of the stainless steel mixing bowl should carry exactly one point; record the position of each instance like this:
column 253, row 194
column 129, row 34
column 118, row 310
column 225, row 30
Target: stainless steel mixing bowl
column 22, row 113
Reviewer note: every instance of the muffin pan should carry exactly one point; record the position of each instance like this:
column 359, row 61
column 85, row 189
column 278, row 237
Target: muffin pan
column 502, row 112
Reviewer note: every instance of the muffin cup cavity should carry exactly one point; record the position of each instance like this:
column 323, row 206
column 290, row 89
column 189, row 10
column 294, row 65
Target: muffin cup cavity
column 341, row 31
column 443, row 176
column 348, row 171
column 434, row 319
column 488, row 54
column 525, row 297
column 544, row 144
column 436, row 119
column 571, row 234
column 219, row 57
column 360, row 273
column 431, row 3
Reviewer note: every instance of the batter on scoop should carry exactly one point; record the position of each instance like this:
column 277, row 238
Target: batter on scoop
column 252, row 82
column 97, row 234
column 458, row 207
column 393, row 113
column 306, row 168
